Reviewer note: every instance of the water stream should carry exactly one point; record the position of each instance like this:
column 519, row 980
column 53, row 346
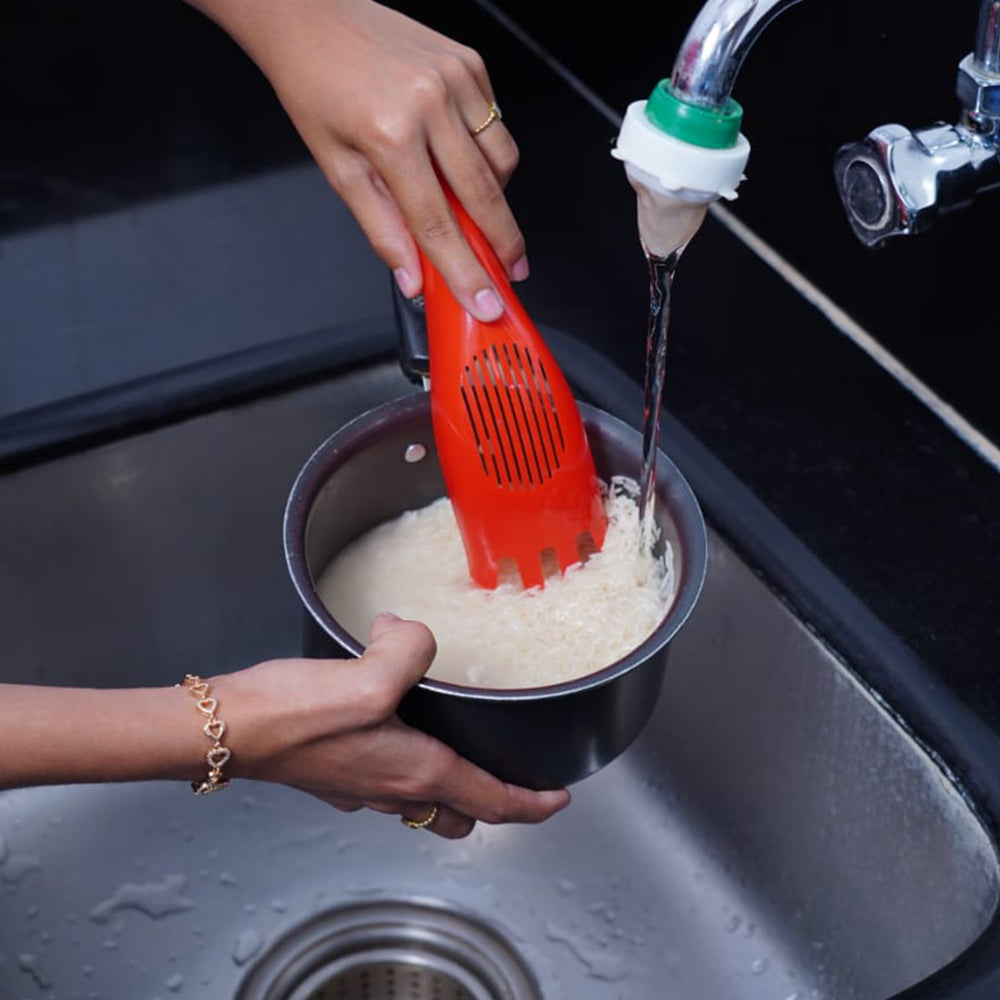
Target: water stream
column 661, row 276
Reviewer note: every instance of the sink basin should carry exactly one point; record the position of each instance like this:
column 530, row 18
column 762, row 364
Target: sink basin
column 775, row 832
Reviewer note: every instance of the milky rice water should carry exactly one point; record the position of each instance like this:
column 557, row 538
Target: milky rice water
column 582, row 621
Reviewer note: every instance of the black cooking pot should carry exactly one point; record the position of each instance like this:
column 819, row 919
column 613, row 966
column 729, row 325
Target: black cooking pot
column 383, row 463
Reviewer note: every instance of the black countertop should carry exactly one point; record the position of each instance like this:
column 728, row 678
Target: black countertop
column 121, row 107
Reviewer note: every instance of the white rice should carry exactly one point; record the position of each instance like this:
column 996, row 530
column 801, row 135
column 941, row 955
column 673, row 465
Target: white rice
column 580, row 622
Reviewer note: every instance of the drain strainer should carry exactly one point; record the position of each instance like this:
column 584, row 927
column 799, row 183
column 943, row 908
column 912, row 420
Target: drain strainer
column 405, row 950
column 389, row 980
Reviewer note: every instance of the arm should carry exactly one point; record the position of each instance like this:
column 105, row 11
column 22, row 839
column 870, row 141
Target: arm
column 326, row 727
column 384, row 103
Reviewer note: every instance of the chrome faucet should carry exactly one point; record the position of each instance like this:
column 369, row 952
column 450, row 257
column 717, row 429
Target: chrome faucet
column 716, row 45
column 895, row 181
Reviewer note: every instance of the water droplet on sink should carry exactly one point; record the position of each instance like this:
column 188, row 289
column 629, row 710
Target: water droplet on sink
column 153, row 899
column 175, row 983
column 3, row 850
column 17, row 866
column 248, row 945
column 566, row 887
column 28, row 964
column 759, row 966
column 733, row 924
column 601, row 965
column 279, row 906
column 227, row 878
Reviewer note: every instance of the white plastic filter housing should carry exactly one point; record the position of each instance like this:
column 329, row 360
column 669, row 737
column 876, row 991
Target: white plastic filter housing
column 678, row 169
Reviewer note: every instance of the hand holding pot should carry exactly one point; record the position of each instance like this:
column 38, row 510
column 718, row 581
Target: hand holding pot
column 328, row 727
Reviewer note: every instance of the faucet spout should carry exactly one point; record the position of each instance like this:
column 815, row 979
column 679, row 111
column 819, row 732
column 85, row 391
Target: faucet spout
column 716, row 45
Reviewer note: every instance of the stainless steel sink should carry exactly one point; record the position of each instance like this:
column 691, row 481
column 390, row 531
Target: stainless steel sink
column 775, row 833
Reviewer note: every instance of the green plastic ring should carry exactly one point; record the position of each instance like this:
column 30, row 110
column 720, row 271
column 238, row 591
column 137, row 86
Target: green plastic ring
column 711, row 128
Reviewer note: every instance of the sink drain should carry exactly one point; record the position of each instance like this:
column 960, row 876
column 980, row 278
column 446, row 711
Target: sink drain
column 405, row 950
column 391, row 981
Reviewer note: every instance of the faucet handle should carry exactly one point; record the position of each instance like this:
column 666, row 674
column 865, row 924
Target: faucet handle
column 896, row 182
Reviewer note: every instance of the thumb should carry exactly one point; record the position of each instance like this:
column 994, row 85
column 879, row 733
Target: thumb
column 400, row 652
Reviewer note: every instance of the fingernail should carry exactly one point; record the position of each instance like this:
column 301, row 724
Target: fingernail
column 488, row 305
column 520, row 270
column 387, row 617
column 408, row 285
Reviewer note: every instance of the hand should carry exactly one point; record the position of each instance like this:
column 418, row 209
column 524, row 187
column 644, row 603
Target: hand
column 328, row 727
column 384, row 103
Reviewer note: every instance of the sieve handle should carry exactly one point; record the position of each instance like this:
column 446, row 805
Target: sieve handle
column 411, row 326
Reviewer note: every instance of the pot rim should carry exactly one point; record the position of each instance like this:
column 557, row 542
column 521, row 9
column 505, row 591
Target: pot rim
column 316, row 471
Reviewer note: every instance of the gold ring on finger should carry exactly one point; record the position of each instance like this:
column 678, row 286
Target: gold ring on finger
column 420, row 824
column 492, row 115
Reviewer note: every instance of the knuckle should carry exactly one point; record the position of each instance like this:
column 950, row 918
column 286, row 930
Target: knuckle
column 493, row 815
column 438, row 772
column 342, row 173
column 429, row 88
column 414, row 787
column 435, row 773
column 390, row 132
column 385, row 247
column 490, row 195
column 453, row 67
column 436, row 226
column 515, row 249
column 475, row 64
column 373, row 701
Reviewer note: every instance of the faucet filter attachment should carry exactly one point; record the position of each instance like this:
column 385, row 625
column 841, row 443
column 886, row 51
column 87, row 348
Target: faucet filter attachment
column 694, row 153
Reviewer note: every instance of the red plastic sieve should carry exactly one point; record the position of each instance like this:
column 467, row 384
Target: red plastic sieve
column 511, row 443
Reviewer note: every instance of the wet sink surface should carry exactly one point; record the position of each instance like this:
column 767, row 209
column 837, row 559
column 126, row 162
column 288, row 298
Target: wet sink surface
column 773, row 834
